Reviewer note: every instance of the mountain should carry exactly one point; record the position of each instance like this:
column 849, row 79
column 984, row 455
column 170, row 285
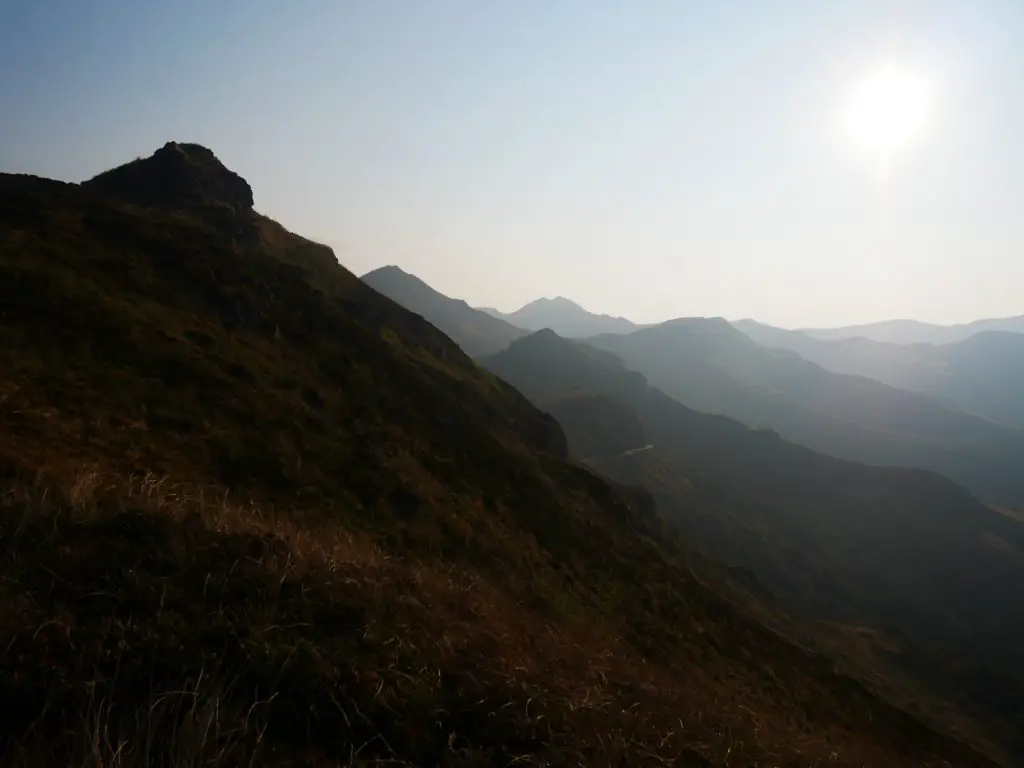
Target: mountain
column 595, row 424
column 477, row 332
column 886, row 547
column 565, row 318
column 916, row 332
column 710, row 366
column 983, row 374
column 255, row 512
column 179, row 175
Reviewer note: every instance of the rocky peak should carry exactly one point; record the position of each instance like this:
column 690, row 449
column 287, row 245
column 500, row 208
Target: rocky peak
column 178, row 175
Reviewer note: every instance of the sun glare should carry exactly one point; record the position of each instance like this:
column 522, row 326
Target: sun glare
column 887, row 110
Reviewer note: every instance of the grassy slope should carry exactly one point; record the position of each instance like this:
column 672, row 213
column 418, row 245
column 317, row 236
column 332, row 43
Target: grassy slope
column 251, row 507
column 595, row 424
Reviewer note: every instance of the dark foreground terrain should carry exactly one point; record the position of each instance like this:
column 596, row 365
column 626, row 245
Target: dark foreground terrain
column 252, row 512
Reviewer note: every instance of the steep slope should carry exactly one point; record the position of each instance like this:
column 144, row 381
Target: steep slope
column 983, row 374
column 477, row 332
column 595, row 424
column 566, row 318
column 896, row 548
column 916, row 332
column 256, row 513
column 710, row 366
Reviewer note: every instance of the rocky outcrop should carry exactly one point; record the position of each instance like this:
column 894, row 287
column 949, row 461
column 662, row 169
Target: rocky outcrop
column 177, row 176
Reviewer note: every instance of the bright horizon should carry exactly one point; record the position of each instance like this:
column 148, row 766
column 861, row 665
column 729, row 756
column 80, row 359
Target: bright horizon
column 803, row 164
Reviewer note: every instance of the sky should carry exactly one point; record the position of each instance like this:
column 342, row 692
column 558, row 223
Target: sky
column 645, row 158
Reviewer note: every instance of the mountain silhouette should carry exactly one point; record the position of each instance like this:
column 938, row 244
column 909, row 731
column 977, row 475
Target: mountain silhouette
column 477, row 332
column 257, row 511
column 178, row 175
column 983, row 374
column 917, row 332
column 708, row 365
column 565, row 317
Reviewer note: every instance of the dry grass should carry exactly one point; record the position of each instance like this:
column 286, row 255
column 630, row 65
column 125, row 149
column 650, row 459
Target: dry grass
column 328, row 648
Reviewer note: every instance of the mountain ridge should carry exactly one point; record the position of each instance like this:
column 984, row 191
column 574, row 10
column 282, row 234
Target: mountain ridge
column 743, row 495
column 725, row 371
column 977, row 375
column 905, row 331
column 475, row 331
column 565, row 317
column 711, row 366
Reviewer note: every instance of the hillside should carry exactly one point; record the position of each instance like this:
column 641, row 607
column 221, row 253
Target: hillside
column 983, row 374
column 474, row 330
column 892, row 548
column 257, row 513
column 710, row 366
column 564, row 317
column 917, row 332
column 595, row 424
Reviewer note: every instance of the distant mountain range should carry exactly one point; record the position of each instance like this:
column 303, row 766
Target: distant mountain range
column 484, row 331
column 710, row 366
column 569, row 320
column 830, row 535
column 907, row 548
column 564, row 317
column 982, row 374
column 916, row 332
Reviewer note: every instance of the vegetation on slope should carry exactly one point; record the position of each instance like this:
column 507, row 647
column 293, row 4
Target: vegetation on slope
column 253, row 511
column 595, row 424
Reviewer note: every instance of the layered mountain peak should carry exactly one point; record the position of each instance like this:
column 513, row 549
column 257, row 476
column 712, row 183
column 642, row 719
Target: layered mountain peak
column 705, row 325
column 555, row 364
column 546, row 341
column 476, row 332
column 545, row 337
column 710, row 333
column 391, row 270
column 567, row 318
column 391, row 276
column 558, row 302
column 393, row 279
column 178, row 175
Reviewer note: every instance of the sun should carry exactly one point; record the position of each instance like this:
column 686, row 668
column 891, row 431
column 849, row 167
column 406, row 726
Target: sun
column 887, row 110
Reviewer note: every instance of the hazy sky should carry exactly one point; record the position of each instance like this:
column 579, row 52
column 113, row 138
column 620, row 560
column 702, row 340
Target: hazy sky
column 649, row 159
